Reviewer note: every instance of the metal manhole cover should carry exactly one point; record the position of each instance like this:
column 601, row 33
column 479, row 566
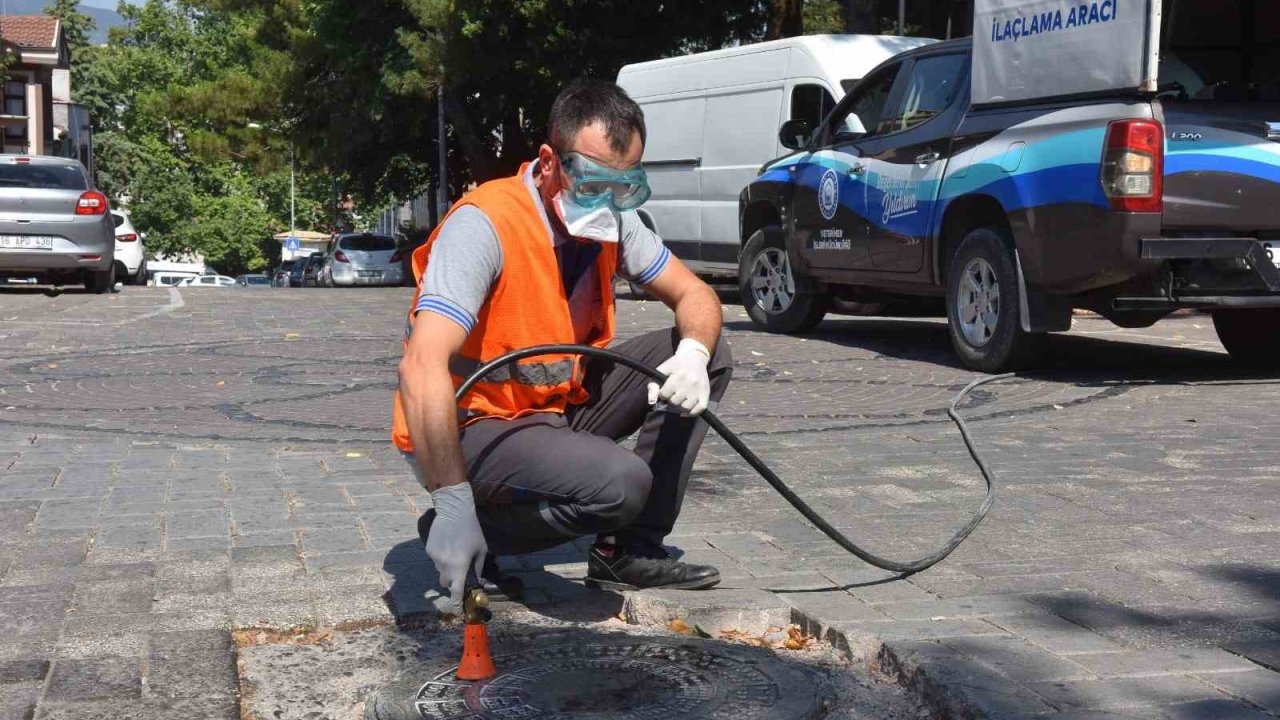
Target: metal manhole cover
column 627, row 677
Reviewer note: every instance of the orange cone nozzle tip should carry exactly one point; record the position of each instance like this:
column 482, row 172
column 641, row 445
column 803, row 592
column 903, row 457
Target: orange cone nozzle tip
column 477, row 663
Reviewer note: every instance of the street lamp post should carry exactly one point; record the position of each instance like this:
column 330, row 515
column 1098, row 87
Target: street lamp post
column 293, row 182
column 442, row 173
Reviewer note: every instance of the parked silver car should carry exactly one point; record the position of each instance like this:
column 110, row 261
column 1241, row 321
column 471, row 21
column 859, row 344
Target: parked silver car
column 363, row 259
column 53, row 224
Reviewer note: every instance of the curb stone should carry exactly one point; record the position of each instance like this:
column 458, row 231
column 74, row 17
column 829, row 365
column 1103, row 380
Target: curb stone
column 951, row 686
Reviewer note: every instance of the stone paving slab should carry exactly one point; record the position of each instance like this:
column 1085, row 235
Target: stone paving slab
column 167, row 475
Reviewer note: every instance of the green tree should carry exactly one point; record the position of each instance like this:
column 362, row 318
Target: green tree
column 500, row 64
column 191, row 132
column 823, row 16
column 76, row 26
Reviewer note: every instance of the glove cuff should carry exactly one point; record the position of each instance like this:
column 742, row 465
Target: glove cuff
column 453, row 494
column 689, row 345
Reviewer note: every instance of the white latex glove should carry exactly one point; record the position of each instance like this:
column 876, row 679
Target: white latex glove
column 456, row 544
column 687, row 387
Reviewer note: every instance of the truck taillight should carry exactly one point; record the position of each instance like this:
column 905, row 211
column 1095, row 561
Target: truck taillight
column 1133, row 166
column 91, row 203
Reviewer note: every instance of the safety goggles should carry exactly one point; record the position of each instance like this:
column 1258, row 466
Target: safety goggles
column 595, row 185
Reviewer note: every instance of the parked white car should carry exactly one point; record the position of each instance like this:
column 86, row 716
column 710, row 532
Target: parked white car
column 209, row 281
column 713, row 119
column 131, row 254
column 171, row 279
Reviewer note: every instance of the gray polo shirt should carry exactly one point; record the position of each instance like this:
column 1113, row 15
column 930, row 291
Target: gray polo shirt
column 466, row 260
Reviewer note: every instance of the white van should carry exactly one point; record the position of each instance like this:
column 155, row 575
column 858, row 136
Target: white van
column 712, row 121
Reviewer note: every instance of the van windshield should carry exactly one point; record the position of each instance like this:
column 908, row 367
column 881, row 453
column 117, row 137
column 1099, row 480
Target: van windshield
column 849, row 84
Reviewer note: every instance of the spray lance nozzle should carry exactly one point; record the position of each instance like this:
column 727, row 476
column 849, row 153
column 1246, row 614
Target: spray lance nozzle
column 475, row 606
column 477, row 663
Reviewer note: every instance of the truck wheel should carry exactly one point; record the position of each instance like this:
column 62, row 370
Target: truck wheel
column 100, row 281
column 1250, row 335
column 774, row 298
column 982, row 305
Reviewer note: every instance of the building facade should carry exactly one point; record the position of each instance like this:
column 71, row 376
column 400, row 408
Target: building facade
column 37, row 116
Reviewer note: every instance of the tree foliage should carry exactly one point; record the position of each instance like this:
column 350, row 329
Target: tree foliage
column 190, row 137
column 500, row 63
column 76, row 26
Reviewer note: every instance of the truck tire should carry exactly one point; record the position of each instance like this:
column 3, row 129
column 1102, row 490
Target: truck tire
column 100, row 281
column 982, row 305
column 1250, row 335
column 775, row 299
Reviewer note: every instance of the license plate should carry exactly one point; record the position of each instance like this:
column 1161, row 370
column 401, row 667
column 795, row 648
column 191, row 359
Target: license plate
column 371, row 273
column 1273, row 252
column 26, row 242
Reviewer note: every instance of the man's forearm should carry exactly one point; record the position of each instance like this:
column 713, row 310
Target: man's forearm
column 432, row 416
column 699, row 316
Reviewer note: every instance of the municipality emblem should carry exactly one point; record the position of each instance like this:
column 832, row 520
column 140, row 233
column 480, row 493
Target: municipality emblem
column 829, row 194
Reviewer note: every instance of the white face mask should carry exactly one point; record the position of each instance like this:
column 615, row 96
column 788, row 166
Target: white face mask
column 600, row 224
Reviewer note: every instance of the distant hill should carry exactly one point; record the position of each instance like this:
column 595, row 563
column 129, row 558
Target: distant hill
column 105, row 18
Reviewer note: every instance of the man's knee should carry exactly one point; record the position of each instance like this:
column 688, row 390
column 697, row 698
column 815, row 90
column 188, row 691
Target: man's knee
column 623, row 493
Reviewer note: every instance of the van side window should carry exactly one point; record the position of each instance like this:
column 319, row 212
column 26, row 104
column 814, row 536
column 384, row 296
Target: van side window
column 933, row 85
column 811, row 103
column 862, row 113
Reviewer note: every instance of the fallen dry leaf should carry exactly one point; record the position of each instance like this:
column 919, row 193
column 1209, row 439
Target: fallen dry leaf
column 684, row 628
column 774, row 637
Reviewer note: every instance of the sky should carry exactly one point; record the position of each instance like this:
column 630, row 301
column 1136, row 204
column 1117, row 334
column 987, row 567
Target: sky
column 108, row 4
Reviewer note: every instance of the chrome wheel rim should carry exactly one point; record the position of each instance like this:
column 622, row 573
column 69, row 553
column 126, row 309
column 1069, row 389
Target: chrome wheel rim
column 978, row 302
column 772, row 284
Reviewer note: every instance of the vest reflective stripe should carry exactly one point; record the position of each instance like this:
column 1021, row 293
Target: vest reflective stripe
column 535, row 373
column 526, row 306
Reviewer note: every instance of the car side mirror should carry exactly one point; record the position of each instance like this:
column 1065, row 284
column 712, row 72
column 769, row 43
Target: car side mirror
column 794, row 134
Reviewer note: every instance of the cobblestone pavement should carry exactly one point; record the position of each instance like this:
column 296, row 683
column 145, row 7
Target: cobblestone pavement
column 176, row 465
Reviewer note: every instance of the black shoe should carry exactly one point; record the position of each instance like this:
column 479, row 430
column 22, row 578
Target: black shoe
column 646, row 567
column 494, row 581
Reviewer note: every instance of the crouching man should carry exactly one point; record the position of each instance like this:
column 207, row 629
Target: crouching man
column 530, row 459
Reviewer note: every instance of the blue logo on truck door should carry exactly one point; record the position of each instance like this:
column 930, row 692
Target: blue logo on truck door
column 829, row 194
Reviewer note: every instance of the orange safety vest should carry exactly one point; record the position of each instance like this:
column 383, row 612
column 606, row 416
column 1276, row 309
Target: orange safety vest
column 526, row 306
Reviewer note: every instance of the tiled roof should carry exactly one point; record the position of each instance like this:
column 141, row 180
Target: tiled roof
column 29, row 31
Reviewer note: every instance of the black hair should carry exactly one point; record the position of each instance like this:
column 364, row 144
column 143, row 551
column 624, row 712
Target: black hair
column 586, row 101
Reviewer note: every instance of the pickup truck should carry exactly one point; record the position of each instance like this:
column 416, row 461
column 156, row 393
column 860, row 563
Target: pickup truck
column 1132, row 203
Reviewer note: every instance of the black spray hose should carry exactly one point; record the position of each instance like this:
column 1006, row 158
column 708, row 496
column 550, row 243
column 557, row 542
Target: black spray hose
column 736, row 443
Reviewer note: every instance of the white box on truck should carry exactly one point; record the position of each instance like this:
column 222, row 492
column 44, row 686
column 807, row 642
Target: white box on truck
column 1026, row 50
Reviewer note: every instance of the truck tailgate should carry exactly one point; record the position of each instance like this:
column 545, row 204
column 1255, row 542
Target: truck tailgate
column 1222, row 167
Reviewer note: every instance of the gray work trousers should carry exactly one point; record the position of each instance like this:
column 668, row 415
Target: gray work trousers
column 544, row 479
